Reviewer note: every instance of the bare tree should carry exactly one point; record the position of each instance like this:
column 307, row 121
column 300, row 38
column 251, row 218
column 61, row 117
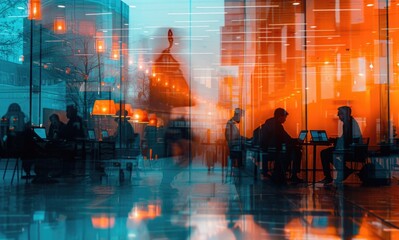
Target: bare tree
column 75, row 61
column 10, row 32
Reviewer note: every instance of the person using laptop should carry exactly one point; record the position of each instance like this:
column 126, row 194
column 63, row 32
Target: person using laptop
column 274, row 136
column 56, row 129
column 350, row 134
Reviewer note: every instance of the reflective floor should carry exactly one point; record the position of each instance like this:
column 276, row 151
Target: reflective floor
column 194, row 204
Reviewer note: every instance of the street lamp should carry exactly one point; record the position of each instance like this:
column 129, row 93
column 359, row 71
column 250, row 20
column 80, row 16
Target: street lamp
column 100, row 48
column 34, row 13
column 35, row 10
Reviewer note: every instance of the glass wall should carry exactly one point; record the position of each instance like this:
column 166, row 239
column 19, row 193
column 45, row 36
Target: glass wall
column 184, row 65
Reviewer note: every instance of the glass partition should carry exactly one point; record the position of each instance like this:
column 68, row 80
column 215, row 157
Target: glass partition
column 187, row 65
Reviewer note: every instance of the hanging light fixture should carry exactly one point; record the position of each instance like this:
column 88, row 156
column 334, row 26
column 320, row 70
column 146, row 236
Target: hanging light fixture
column 104, row 107
column 34, row 10
column 100, row 45
column 59, row 25
column 115, row 49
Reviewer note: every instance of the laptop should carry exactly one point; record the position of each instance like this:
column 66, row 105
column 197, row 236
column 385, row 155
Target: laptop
column 302, row 136
column 319, row 136
column 104, row 134
column 91, row 134
column 40, row 133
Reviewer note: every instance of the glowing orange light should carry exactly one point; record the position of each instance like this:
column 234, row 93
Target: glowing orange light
column 104, row 107
column 59, row 25
column 103, row 221
column 35, row 10
column 100, row 45
column 115, row 54
column 153, row 119
column 115, row 49
column 140, row 213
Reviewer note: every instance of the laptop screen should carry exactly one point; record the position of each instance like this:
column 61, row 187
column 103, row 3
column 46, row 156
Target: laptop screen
column 319, row 135
column 41, row 132
column 104, row 133
column 302, row 135
column 91, row 134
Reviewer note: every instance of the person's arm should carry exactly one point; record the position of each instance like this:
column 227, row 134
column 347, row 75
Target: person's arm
column 284, row 136
column 356, row 133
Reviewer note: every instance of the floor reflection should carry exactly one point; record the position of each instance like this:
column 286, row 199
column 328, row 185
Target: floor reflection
column 197, row 205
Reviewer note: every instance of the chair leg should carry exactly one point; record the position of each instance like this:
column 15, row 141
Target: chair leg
column 16, row 169
column 5, row 169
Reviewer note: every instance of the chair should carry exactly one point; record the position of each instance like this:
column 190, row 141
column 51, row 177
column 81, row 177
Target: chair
column 106, row 153
column 356, row 155
column 276, row 162
column 8, row 156
column 13, row 149
column 359, row 153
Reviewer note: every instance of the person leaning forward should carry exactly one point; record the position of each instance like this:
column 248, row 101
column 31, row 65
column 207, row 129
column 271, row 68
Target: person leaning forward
column 285, row 150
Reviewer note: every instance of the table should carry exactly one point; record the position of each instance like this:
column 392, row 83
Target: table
column 314, row 144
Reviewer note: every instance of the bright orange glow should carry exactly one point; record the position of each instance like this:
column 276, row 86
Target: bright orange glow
column 137, row 115
column 100, row 45
column 103, row 221
column 35, row 10
column 152, row 119
column 59, row 25
column 115, row 54
column 104, row 107
column 152, row 211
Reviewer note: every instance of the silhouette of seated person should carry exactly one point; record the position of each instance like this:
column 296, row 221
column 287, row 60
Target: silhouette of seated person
column 73, row 131
column 74, row 128
column 13, row 134
column 56, row 129
column 21, row 141
column 280, row 147
column 124, row 134
column 235, row 142
column 350, row 134
column 36, row 152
